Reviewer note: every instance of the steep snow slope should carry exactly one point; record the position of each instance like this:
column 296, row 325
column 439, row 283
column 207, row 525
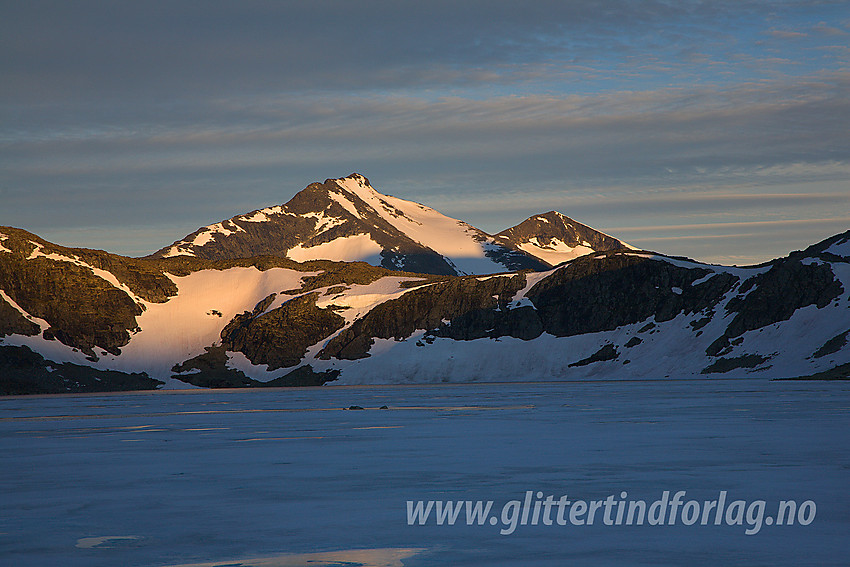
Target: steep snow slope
column 463, row 245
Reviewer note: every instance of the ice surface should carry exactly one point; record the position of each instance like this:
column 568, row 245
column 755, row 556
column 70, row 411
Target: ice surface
column 353, row 557
column 287, row 477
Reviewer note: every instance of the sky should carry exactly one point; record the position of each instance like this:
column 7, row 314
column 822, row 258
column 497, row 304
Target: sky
column 715, row 130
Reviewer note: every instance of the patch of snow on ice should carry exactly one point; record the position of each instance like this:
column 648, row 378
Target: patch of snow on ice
column 90, row 542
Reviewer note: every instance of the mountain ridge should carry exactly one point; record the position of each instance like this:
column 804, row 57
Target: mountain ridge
column 81, row 320
column 346, row 219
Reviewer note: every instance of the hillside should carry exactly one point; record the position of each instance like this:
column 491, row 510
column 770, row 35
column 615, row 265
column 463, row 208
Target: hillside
column 73, row 316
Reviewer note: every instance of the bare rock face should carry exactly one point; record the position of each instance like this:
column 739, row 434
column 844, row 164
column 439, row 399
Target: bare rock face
column 424, row 308
column 607, row 290
column 23, row 371
column 210, row 370
column 84, row 311
column 279, row 338
column 790, row 284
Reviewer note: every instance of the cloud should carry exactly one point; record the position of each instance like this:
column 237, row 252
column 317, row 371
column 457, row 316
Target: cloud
column 612, row 135
column 186, row 49
column 182, row 113
column 825, row 29
column 786, row 34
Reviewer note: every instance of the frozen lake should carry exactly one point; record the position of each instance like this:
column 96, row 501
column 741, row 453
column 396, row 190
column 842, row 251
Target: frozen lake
column 287, row 477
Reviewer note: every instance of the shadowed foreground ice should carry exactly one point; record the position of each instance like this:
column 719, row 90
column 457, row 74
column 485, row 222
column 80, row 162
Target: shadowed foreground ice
column 287, row 477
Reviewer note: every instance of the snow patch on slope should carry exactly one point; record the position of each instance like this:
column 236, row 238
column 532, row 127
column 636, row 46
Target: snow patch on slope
column 840, row 248
column 208, row 233
column 44, row 325
column 262, row 215
column 531, row 279
column 345, row 203
column 180, row 328
column 323, row 222
column 556, row 252
column 101, row 273
column 360, row 299
column 348, row 249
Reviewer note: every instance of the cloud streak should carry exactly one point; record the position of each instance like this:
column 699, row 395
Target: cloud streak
column 693, row 110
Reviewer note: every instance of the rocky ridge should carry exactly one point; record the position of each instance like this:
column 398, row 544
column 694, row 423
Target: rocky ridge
column 346, row 219
column 85, row 320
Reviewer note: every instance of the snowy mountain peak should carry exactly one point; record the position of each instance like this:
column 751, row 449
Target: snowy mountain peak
column 555, row 238
column 346, row 219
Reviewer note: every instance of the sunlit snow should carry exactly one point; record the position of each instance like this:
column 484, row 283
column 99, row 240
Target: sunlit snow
column 347, row 249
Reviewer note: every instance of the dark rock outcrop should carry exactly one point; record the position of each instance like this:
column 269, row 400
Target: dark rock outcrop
column 607, row 352
column 833, row 345
column 775, row 295
column 425, row 308
column 280, row 337
column 23, row 371
column 210, row 370
column 722, row 365
column 601, row 292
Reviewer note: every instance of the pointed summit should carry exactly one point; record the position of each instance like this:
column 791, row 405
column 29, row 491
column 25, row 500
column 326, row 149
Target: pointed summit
column 555, row 238
column 346, row 219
